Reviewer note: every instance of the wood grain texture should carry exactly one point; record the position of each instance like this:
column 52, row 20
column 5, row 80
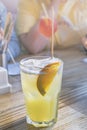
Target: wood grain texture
column 72, row 113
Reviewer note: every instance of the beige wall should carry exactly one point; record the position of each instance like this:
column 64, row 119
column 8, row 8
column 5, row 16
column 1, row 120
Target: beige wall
column 11, row 5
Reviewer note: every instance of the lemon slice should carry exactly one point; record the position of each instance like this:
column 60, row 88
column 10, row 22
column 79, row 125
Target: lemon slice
column 46, row 77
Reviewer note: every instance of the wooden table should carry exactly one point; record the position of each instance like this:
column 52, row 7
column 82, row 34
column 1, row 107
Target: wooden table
column 73, row 100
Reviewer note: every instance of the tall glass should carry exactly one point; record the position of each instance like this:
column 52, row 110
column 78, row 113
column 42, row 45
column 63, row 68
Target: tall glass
column 41, row 82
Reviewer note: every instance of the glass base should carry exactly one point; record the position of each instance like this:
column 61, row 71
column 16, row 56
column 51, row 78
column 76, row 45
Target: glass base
column 45, row 125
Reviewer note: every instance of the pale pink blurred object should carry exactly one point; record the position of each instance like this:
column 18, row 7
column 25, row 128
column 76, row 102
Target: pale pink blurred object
column 84, row 41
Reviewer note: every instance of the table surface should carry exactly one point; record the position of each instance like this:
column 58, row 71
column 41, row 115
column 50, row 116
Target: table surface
column 73, row 100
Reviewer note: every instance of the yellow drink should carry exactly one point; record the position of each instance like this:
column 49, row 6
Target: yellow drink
column 41, row 108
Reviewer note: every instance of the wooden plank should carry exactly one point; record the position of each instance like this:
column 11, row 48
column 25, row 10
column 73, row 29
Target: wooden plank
column 73, row 100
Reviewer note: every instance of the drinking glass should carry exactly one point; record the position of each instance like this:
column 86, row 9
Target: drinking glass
column 41, row 78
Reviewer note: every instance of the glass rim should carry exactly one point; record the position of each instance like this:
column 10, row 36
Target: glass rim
column 36, row 57
column 28, row 68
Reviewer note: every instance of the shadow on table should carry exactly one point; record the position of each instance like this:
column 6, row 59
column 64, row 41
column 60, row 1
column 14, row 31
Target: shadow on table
column 31, row 127
column 76, row 97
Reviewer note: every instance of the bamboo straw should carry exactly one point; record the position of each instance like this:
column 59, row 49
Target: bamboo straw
column 7, row 23
column 44, row 9
column 11, row 56
column 52, row 38
column 8, row 36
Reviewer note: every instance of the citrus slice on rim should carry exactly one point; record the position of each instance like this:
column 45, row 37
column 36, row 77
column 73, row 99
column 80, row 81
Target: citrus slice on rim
column 46, row 77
